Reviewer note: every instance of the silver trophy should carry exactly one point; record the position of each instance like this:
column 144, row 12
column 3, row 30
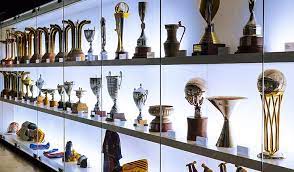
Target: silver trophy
column 113, row 85
column 140, row 97
column 68, row 88
column 89, row 34
column 96, row 84
column 60, row 89
column 39, row 84
column 103, row 52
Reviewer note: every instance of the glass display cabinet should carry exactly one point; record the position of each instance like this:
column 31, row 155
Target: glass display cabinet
column 155, row 85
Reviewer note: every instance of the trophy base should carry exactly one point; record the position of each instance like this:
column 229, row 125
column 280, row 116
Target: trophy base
column 206, row 49
column 34, row 58
column 250, row 44
column 155, row 127
column 40, row 100
column 140, row 122
column 48, row 57
column 61, row 105
column 121, row 55
column 196, row 127
column 103, row 55
column 75, row 55
column 120, row 116
column 99, row 113
column 141, row 52
column 53, row 103
column 60, row 55
column 68, row 105
column 265, row 155
column 46, row 102
column 79, row 107
column 33, row 99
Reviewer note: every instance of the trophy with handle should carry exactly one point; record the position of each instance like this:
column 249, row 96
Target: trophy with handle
column 39, row 84
column 89, row 34
column 140, row 97
column 96, row 84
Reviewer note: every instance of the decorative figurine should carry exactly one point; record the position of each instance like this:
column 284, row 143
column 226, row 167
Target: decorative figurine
column 252, row 40
column 103, row 52
column 121, row 12
column 206, row 169
column 271, row 86
column 70, row 155
column 192, row 167
column 40, row 83
column 68, row 88
column 53, row 103
column 13, row 128
column 60, row 89
column 79, row 106
column 194, row 94
column 225, row 104
column 49, row 56
column 142, row 49
column 140, row 97
column 96, row 84
column 136, row 166
column 89, row 34
column 45, row 100
column 157, row 111
column 209, row 43
column 222, row 167
column 172, row 45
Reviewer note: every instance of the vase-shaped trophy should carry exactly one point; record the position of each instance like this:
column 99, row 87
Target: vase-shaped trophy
column 226, row 105
column 194, row 94
column 39, row 84
column 68, row 88
column 89, row 34
column 80, row 107
column 271, row 85
column 172, row 45
column 60, row 89
column 96, row 84
column 140, row 97
column 113, row 86
column 160, row 111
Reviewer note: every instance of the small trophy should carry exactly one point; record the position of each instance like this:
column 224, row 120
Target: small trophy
column 164, row 111
column 103, row 52
column 271, row 86
column 209, row 43
column 194, row 94
column 60, row 89
column 89, row 34
column 52, row 102
column 96, row 84
column 205, row 168
column 68, row 88
column 121, row 12
column 113, row 85
column 39, row 84
column 142, row 49
column 225, row 104
column 45, row 100
column 252, row 40
column 27, row 81
column 32, row 98
column 79, row 106
column 140, row 97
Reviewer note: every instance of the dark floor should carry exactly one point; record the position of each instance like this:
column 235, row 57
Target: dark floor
column 12, row 162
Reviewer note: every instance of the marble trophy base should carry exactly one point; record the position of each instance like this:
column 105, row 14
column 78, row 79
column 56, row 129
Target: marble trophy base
column 164, row 127
column 206, row 49
column 265, row 155
column 53, row 103
column 196, row 127
column 120, row 116
column 79, row 107
column 121, row 55
column 98, row 113
column 141, row 52
column 250, row 44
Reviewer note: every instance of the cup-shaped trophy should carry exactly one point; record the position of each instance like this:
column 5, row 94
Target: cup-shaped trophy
column 68, row 88
column 140, row 97
column 39, row 84
column 60, row 89
column 27, row 81
column 194, row 94
column 89, row 34
column 226, row 105
column 121, row 13
column 271, row 91
column 160, row 111
column 209, row 43
column 45, row 100
column 142, row 49
column 52, row 102
column 103, row 52
column 79, row 106
column 96, row 84
column 113, row 86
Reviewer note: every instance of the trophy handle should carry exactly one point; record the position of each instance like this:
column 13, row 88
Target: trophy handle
column 180, row 25
column 120, row 79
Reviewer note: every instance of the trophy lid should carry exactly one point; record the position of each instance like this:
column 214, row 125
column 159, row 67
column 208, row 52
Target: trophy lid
column 140, row 90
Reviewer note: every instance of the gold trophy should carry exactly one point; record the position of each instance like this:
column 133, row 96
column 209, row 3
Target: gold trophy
column 79, row 106
column 52, row 102
column 45, row 100
column 49, row 56
column 62, row 46
column 225, row 104
column 76, row 53
column 24, row 46
column 271, row 91
column 121, row 12
column 36, row 36
column 27, row 81
column 39, row 84
column 209, row 42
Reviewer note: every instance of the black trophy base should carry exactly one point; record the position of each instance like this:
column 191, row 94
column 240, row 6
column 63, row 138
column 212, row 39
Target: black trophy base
column 68, row 105
column 33, row 99
column 120, row 116
column 98, row 113
column 61, row 105
column 141, row 52
column 197, row 126
column 250, row 44
column 206, row 49
column 121, row 55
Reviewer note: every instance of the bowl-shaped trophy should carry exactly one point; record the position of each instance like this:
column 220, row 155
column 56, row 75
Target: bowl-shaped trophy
column 79, row 106
column 39, row 84
column 60, row 89
column 68, row 88
column 271, row 85
column 226, row 105
column 89, row 34
column 194, row 94
column 140, row 97
column 96, row 84
column 52, row 102
column 45, row 100
column 158, row 111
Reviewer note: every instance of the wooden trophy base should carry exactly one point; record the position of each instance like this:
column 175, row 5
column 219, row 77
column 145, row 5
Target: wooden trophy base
column 206, row 49
column 165, row 125
column 98, row 113
column 250, row 44
column 121, row 55
column 53, row 103
column 120, row 116
column 79, row 107
column 196, row 127
column 141, row 52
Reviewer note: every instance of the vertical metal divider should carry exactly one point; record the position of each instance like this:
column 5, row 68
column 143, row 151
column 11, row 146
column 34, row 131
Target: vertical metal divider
column 101, row 91
column 160, row 83
column 63, row 80
column 262, row 71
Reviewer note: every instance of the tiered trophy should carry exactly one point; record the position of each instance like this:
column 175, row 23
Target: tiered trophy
column 194, row 94
column 52, row 102
column 79, row 106
column 142, row 49
column 209, row 43
column 89, row 34
column 39, row 84
column 140, row 97
column 271, row 92
column 252, row 40
column 158, row 111
column 68, row 88
column 45, row 100
column 121, row 12
column 60, row 89
column 225, row 104
column 103, row 52
column 113, row 85
column 96, row 84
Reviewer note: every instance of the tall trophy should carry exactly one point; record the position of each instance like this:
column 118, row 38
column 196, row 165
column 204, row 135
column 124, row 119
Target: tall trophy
column 103, row 52
column 142, row 49
column 79, row 106
column 68, row 88
column 89, row 34
column 194, row 94
column 140, row 97
column 172, row 45
column 271, row 91
column 60, row 89
column 27, row 81
column 52, row 102
column 113, row 85
column 209, row 43
column 96, row 84
column 121, row 12
column 225, row 104
column 252, row 40
column 39, row 84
